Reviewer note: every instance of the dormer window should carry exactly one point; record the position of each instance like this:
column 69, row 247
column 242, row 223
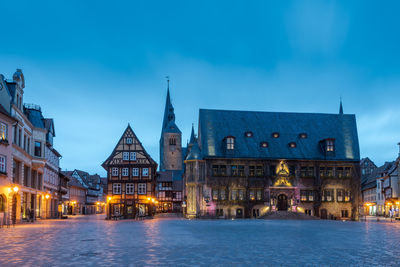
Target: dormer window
column 264, row 144
column 230, row 143
column 303, row 135
column 292, row 145
column 330, row 145
column 248, row 134
column 275, row 135
column 129, row 140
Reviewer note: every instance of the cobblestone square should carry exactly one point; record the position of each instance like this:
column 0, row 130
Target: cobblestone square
column 93, row 241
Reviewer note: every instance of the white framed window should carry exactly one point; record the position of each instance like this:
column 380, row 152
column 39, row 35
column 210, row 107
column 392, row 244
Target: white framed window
column 141, row 188
column 3, row 131
column 130, row 189
column 125, row 171
column 3, row 160
column 145, row 172
column 117, row 188
column 230, row 143
column 114, row 172
column 135, row 172
column 125, row 156
column 129, row 140
column 133, row 155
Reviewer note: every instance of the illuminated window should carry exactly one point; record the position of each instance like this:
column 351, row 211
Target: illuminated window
column 142, row 189
column 114, row 172
column 135, row 172
column 275, row 135
column 117, row 188
column 129, row 140
column 230, row 143
column 130, row 189
column 125, row 155
column 330, row 145
column 241, row 194
column 3, row 131
column 215, row 194
column 264, row 144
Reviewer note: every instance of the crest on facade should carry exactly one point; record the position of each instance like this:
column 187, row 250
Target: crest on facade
column 282, row 174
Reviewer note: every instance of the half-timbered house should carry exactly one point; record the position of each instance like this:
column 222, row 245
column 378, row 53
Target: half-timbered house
column 131, row 176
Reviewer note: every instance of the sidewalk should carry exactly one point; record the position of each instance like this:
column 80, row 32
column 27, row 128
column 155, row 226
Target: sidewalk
column 370, row 218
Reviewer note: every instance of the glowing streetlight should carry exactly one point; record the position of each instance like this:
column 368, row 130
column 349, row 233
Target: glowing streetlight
column 109, row 198
column 47, row 196
column 15, row 189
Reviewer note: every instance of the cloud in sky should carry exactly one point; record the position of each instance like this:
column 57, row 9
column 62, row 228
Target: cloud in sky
column 96, row 68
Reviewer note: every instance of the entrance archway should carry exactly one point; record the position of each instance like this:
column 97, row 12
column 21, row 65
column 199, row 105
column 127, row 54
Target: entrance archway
column 282, row 202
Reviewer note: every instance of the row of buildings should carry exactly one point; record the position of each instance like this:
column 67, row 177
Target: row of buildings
column 31, row 183
column 380, row 187
column 242, row 164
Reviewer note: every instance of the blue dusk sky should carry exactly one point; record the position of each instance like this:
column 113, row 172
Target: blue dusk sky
column 95, row 66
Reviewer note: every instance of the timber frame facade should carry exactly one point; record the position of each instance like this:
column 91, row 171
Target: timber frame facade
column 131, row 174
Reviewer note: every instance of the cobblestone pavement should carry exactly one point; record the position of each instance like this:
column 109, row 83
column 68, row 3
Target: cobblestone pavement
column 92, row 241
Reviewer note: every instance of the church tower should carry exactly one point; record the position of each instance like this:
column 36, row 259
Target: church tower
column 171, row 139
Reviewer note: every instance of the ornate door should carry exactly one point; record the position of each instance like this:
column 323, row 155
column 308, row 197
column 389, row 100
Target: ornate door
column 282, row 202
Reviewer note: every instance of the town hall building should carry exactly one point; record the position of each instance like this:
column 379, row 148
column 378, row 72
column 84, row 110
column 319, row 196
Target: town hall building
column 245, row 164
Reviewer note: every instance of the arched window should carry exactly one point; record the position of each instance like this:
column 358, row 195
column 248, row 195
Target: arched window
column 172, row 141
column 2, row 203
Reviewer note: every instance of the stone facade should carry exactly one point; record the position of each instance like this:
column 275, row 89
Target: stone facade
column 254, row 170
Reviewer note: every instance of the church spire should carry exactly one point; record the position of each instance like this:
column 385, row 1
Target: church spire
column 169, row 114
column 192, row 136
column 341, row 107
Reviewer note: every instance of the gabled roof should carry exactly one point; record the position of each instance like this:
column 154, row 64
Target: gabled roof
column 128, row 129
column 216, row 125
column 49, row 125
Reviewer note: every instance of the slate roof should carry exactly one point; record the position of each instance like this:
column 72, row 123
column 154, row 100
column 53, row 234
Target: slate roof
column 194, row 152
column 370, row 180
column 74, row 182
column 215, row 125
column 171, row 128
column 11, row 88
column 35, row 117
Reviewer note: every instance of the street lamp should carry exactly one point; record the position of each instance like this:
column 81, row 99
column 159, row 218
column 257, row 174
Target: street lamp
column 15, row 189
